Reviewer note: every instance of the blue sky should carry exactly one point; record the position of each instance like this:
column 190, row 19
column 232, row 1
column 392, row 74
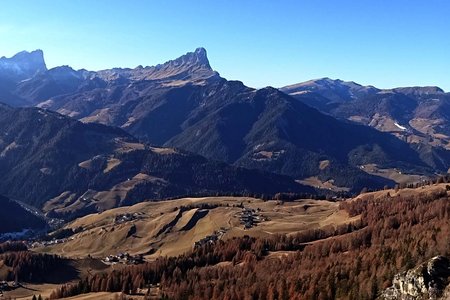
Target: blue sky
column 385, row 43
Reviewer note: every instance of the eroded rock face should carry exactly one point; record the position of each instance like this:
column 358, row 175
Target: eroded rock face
column 429, row 280
column 23, row 65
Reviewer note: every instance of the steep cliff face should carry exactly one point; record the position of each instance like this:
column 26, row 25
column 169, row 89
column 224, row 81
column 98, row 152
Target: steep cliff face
column 429, row 280
column 23, row 65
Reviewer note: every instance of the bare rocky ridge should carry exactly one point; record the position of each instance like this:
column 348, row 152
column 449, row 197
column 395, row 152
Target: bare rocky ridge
column 333, row 90
column 193, row 67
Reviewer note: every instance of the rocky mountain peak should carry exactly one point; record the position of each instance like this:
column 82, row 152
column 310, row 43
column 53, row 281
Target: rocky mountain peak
column 201, row 56
column 23, row 65
column 63, row 72
column 196, row 59
column 190, row 66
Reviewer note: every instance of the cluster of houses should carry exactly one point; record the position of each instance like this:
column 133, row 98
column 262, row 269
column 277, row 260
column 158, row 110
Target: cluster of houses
column 210, row 239
column 119, row 219
column 40, row 244
column 55, row 223
column 124, row 258
column 250, row 217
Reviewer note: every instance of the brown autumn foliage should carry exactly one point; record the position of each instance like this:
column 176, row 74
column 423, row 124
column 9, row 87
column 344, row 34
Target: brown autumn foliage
column 355, row 261
column 12, row 247
column 25, row 266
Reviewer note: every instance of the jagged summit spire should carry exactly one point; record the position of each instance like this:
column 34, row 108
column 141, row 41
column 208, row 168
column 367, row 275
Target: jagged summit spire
column 197, row 58
column 202, row 55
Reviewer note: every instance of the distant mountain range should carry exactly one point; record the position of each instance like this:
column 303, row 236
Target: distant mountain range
column 417, row 115
column 185, row 104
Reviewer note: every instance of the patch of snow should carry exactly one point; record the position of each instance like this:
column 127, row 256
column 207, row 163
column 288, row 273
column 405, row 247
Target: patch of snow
column 46, row 171
column 300, row 93
column 400, row 126
column 25, row 80
column 45, row 104
column 11, row 67
column 352, row 95
column 8, row 148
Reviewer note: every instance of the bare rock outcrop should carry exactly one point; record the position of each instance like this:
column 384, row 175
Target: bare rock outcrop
column 429, row 280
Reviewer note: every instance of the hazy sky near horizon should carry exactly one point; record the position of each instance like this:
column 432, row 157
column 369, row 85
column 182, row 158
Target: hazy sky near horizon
column 385, row 43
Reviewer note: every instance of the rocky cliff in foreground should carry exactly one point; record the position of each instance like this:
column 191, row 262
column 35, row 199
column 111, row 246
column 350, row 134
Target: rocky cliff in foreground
column 429, row 280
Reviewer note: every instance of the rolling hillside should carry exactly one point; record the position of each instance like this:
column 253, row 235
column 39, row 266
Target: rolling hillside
column 69, row 168
column 171, row 228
